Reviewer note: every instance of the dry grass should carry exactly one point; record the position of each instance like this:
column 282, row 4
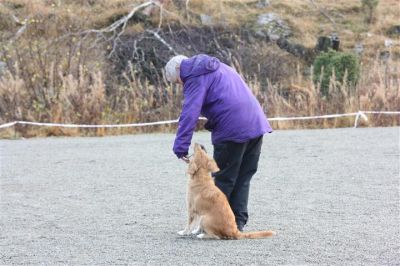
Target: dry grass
column 66, row 82
column 84, row 101
column 307, row 20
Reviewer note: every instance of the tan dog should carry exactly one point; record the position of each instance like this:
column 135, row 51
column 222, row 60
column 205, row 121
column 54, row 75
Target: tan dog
column 208, row 207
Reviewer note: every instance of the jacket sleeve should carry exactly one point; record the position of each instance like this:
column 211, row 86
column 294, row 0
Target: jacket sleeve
column 194, row 94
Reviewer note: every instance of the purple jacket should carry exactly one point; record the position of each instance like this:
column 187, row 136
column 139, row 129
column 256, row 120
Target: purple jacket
column 217, row 92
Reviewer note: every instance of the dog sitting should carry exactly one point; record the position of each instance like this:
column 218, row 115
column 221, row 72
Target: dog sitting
column 208, row 207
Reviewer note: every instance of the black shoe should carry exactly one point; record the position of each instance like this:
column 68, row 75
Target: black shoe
column 240, row 227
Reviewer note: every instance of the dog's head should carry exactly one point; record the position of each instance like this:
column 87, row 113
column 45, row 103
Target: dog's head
column 201, row 160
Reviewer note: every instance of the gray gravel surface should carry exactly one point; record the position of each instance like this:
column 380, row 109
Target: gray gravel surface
column 332, row 196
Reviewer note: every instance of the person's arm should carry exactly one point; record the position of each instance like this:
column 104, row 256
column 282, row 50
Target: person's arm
column 194, row 93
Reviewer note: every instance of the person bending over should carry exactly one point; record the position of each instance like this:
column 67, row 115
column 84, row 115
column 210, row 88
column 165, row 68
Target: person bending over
column 234, row 117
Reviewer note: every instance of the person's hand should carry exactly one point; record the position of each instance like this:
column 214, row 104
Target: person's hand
column 185, row 159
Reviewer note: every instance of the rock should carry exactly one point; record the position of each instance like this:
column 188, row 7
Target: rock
column 206, row 20
column 272, row 26
column 153, row 9
column 359, row 48
column 335, row 41
column 394, row 31
column 388, row 43
column 3, row 68
column 263, row 3
column 296, row 49
column 384, row 56
column 323, row 44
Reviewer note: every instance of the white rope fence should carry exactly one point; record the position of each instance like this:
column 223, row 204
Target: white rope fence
column 362, row 114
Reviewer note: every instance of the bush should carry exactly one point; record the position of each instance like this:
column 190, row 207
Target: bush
column 344, row 67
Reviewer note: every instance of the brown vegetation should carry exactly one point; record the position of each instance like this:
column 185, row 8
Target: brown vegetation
column 55, row 74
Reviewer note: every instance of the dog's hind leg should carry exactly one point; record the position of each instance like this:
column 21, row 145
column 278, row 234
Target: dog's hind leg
column 207, row 224
column 207, row 236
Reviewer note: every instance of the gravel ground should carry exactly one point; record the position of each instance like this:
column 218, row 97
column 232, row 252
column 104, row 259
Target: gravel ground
column 332, row 196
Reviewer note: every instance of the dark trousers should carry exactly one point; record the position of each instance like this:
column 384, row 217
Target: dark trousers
column 238, row 163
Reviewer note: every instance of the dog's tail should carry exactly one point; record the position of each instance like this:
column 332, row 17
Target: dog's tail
column 255, row 235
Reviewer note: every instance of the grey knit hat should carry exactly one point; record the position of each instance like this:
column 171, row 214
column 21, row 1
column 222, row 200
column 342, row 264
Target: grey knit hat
column 171, row 71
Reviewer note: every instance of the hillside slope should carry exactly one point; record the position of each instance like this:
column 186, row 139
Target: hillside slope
column 86, row 61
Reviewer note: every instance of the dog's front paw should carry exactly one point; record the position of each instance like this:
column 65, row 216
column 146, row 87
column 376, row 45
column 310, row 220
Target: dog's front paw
column 184, row 233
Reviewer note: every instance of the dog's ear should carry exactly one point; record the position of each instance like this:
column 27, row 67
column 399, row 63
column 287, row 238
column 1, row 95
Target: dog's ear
column 212, row 166
column 192, row 168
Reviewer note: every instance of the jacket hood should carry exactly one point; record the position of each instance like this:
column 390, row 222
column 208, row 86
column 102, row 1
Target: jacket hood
column 198, row 65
